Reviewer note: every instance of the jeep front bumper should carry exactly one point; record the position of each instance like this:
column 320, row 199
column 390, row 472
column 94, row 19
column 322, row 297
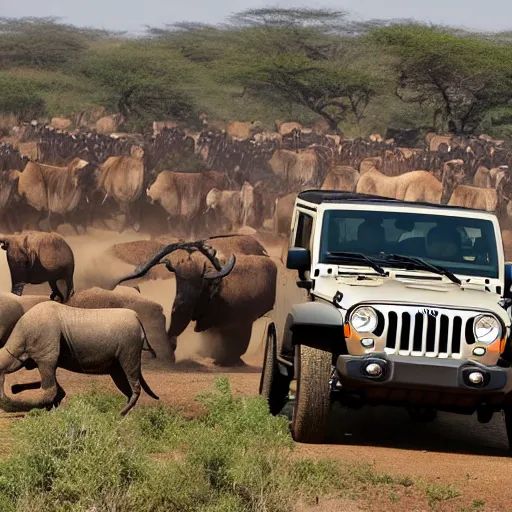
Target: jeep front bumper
column 423, row 373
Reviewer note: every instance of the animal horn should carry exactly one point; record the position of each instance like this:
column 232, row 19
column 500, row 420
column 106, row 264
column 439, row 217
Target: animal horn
column 143, row 269
column 223, row 272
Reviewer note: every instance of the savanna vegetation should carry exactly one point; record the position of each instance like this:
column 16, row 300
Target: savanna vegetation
column 264, row 64
column 232, row 456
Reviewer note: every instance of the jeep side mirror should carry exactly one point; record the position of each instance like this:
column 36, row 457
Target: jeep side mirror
column 298, row 259
column 507, row 293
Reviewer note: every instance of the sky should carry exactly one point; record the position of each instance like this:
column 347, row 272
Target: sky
column 133, row 15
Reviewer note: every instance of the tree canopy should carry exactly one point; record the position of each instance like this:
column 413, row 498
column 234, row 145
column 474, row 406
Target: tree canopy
column 269, row 63
column 462, row 78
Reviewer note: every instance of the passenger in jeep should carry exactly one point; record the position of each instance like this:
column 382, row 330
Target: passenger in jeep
column 371, row 236
column 444, row 243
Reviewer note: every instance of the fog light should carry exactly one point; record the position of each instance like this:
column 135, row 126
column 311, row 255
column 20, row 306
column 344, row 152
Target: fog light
column 476, row 378
column 373, row 369
column 479, row 351
column 367, row 342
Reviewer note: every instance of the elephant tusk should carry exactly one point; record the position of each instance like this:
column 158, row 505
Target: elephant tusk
column 106, row 195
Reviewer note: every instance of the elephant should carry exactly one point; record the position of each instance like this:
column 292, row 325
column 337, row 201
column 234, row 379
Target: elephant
column 150, row 312
column 36, row 258
column 226, row 307
column 90, row 341
column 12, row 308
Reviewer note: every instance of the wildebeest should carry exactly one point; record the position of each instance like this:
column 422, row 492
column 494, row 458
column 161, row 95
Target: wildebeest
column 122, row 179
column 36, row 258
column 58, row 190
column 301, row 168
column 241, row 207
column 227, row 299
column 8, row 192
column 183, row 195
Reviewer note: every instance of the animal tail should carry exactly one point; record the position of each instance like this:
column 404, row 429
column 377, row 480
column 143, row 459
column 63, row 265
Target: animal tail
column 146, row 387
column 145, row 339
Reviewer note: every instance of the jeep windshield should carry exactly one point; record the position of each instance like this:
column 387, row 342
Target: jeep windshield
column 459, row 245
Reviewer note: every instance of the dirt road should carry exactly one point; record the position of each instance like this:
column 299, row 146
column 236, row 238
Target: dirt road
column 453, row 450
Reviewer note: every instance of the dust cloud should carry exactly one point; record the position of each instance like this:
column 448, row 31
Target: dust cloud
column 96, row 266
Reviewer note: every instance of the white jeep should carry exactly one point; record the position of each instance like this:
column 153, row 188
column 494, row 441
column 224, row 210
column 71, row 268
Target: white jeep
column 406, row 305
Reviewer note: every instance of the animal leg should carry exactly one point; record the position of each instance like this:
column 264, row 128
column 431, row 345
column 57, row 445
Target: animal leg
column 233, row 344
column 120, row 380
column 58, row 397
column 55, row 291
column 124, row 211
column 126, row 378
column 38, row 222
column 149, row 348
column 50, row 221
column 50, row 393
column 17, row 289
column 181, row 316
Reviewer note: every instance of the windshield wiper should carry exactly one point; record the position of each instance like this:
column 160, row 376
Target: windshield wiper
column 436, row 269
column 356, row 257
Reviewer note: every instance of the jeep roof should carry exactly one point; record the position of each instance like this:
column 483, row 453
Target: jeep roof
column 317, row 196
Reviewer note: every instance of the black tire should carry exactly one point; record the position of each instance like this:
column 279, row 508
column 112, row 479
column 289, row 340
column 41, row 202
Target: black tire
column 274, row 386
column 508, row 424
column 313, row 398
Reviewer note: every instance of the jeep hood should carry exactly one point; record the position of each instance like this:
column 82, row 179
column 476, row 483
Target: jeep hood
column 407, row 291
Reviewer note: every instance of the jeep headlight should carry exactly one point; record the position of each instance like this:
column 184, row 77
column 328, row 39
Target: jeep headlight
column 486, row 329
column 364, row 319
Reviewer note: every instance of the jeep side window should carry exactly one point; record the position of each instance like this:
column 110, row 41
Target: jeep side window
column 304, row 227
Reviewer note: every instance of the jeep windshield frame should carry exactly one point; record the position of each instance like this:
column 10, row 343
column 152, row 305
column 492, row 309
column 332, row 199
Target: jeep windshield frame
column 462, row 243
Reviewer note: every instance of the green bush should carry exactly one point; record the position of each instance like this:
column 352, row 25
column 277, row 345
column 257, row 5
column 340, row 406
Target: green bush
column 235, row 457
column 20, row 96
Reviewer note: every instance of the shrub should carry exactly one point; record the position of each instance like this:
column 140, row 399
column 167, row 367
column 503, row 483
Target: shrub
column 236, row 457
column 20, row 96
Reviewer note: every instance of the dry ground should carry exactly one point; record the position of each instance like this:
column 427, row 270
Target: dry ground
column 453, row 450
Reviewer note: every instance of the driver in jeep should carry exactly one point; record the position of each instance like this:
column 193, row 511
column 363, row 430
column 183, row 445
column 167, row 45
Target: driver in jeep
column 444, row 243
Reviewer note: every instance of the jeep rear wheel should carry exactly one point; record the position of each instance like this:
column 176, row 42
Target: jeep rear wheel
column 313, row 398
column 274, row 386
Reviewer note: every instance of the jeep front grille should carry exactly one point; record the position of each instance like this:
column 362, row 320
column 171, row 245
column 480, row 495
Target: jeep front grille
column 414, row 332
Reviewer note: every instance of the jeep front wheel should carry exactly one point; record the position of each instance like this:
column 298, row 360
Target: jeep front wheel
column 274, row 386
column 313, row 398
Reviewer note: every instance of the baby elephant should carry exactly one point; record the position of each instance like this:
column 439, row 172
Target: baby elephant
column 90, row 341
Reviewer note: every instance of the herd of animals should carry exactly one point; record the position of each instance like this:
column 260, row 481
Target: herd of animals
column 114, row 182
column 224, row 283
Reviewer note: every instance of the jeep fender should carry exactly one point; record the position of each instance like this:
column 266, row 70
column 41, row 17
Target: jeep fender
column 315, row 324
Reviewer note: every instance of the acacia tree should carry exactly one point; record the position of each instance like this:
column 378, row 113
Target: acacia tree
column 145, row 82
column 296, row 55
column 326, row 88
column 42, row 42
column 462, row 78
